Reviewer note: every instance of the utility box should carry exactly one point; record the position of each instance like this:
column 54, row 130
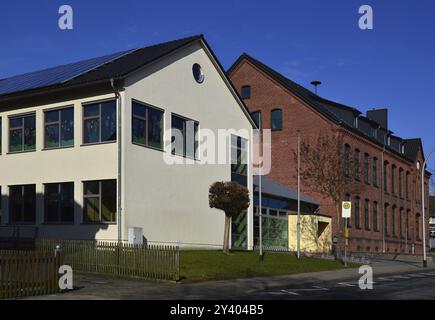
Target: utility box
column 135, row 235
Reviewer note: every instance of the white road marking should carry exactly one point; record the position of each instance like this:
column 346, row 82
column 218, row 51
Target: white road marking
column 426, row 274
column 346, row 284
column 290, row 292
column 385, row 279
column 401, row 277
column 274, row 292
column 416, row 275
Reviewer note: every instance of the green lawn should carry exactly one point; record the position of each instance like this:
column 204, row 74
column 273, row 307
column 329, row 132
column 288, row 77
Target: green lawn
column 204, row 265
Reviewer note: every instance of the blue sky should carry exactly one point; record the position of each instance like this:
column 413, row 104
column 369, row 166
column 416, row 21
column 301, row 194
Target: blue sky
column 391, row 66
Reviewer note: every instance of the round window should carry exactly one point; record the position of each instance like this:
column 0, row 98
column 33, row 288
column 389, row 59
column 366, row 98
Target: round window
column 197, row 73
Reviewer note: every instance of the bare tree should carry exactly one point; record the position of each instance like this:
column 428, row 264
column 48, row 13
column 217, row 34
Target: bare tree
column 232, row 198
column 327, row 169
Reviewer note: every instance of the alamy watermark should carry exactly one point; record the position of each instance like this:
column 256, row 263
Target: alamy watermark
column 66, row 20
column 238, row 147
column 365, row 22
column 365, row 282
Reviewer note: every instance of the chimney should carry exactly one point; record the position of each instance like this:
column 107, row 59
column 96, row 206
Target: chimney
column 380, row 116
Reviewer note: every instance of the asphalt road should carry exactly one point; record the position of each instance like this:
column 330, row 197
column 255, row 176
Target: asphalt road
column 403, row 280
column 408, row 286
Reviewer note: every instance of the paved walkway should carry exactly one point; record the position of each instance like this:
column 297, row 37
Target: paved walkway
column 91, row 287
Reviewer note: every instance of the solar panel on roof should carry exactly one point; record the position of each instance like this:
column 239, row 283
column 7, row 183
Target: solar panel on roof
column 56, row 75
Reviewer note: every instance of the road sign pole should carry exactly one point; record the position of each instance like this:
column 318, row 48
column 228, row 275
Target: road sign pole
column 345, row 242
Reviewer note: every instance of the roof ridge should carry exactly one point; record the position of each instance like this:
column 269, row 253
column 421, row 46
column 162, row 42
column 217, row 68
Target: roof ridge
column 117, row 55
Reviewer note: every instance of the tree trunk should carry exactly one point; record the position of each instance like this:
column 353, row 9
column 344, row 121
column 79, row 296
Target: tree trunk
column 227, row 235
column 338, row 244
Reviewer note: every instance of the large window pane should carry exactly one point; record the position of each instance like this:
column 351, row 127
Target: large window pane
column 59, row 202
column 139, row 124
column 29, row 133
column 185, row 137
column 108, row 201
column 91, row 131
column 276, row 119
column 100, row 201
column 138, row 131
column 67, row 127
column 99, row 122
column 108, row 121
column 155, row 128
column 91, row 209
column 22, row 204
column 22, row 133
column 67, row 202
column 178, row 136
column 91, row 110
column 16, row 140
column 52, row 136
column 15, row 203
column 51, row 116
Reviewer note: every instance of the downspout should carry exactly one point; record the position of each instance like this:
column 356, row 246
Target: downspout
column 383, row 197
column 119, row 140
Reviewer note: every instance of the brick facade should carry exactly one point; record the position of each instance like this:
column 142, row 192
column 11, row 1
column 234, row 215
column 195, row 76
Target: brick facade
column 268, row 94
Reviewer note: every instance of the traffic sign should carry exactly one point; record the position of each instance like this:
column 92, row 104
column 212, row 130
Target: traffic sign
column 346, row 209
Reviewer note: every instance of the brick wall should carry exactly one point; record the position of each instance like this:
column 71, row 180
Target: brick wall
column 267, row 95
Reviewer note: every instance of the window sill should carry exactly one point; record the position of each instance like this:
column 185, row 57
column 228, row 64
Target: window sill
column 148, row 147
column 96, row 143
column 57, row 224
column 57, row 148
column 28, row 224
column 98, row 223
column 18, row 152
column 185, row 157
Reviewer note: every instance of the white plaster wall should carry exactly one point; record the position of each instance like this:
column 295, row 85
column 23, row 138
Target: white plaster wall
column 170, row 202
column 75, row 164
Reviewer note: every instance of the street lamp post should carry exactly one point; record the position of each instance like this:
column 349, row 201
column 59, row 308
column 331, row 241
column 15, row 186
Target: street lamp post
column 299, row 198
column 423, row 169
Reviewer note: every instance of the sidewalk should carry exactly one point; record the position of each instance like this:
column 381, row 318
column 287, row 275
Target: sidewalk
column 102, row 287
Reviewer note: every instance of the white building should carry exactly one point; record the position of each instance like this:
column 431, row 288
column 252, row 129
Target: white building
column 83, row 146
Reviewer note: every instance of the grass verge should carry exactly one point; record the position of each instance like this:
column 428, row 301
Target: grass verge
column 202, row 265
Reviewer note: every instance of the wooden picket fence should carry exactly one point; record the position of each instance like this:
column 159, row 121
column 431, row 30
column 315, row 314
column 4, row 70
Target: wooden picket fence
column 27, row 273
column 122, row 259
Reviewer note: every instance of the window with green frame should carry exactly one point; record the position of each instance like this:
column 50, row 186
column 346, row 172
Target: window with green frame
column 22, row 133
column 147, row 125
column 22, row 204
column 393, row 221
column 356, row 164
column 385, row 176
column 276, row 119
column 59, row 128
column 99, row 122
column 375, row 171
column 386, row 219
column 99, row 201
column 366, row 214
column 401, row 212
column 401, row 182
column 366, row 167
column 59, row 202
column 393, row 179
column 346, row 160
column 407, row 185
column 357, row 213
column 239, row 155
column 375, row 217
column 185, row 137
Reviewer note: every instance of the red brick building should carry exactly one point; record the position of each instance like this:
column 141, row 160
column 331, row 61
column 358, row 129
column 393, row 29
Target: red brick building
column 386, row 212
